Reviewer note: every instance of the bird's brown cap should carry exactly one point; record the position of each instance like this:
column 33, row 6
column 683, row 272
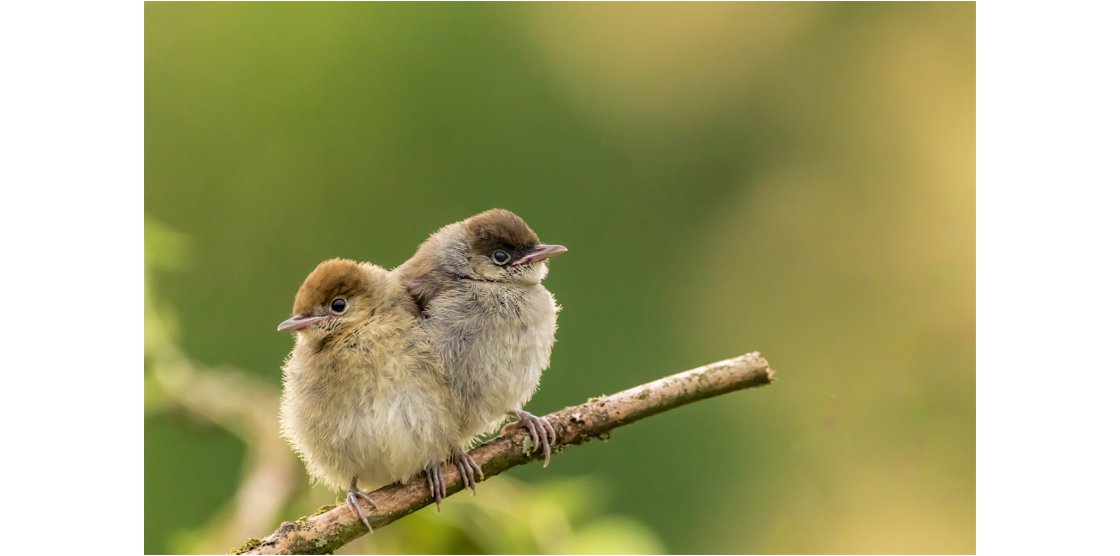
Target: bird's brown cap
column 499, row 228
column 331, row 279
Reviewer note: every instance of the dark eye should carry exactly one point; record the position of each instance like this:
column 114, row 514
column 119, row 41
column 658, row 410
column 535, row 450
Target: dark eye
column 338, row 305
column 499, row 257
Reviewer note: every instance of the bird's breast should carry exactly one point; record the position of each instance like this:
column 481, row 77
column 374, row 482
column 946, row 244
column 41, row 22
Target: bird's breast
column 497, row 342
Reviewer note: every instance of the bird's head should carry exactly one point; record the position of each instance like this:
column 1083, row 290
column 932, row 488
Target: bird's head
column 338, row 294
column 496, row 245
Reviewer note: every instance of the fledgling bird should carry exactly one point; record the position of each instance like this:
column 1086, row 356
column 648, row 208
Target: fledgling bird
column 366, row 401
column 477, row 283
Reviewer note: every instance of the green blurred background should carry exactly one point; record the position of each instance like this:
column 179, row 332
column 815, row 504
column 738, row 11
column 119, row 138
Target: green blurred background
column 791, row 178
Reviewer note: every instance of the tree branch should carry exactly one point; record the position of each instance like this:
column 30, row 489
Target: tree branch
column 327, row 531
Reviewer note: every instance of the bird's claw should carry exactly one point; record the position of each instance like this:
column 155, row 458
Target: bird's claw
column 436, row 485
column 352, row 497
column 468, row 467
column 540, row 431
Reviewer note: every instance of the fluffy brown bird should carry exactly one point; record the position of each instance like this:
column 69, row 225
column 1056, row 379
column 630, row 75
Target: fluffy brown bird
column 366, row 401
column 478, row 285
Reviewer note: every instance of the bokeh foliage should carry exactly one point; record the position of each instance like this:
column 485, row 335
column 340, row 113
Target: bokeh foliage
column 793, row 178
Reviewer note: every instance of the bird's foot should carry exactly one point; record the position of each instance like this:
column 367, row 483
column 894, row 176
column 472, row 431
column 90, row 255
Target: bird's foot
column 352, row 497
column 540, row 431
column 468, row 467
column 435, row 483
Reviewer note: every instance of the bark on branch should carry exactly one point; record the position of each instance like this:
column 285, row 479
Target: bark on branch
column 327, row 531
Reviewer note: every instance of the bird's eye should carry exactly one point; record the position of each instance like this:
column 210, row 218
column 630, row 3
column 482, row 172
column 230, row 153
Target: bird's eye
column 338, row 305
column 499, row 257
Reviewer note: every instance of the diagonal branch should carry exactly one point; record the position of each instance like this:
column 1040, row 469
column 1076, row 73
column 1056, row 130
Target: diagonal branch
column 327, row 531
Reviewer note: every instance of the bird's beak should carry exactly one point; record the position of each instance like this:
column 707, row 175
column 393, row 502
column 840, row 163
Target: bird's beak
column 538, row 254
column 299, row 322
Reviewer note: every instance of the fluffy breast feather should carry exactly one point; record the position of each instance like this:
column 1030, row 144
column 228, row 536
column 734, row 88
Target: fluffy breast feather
column 496, row 341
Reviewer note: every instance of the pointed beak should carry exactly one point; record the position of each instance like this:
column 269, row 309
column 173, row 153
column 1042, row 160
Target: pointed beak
column 538, row 254
column 299, row 322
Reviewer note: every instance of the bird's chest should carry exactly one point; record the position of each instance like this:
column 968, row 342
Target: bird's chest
column 336, row 401
column 499, row 342
column 516, row 350
column 497, row 339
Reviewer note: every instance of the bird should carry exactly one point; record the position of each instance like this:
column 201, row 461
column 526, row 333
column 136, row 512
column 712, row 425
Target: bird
column 477, row 286
column 366, row 401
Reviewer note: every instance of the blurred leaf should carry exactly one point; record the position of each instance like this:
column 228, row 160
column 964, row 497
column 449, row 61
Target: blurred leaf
column 614, row 535
column 164, row 248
